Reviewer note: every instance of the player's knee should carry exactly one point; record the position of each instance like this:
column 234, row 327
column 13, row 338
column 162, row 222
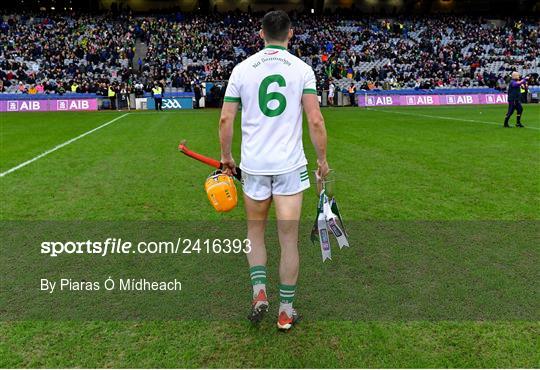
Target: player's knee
column 257, row 227
column 288, row 228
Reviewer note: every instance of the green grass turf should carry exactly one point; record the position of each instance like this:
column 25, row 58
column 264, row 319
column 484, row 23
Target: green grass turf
column 391, row 164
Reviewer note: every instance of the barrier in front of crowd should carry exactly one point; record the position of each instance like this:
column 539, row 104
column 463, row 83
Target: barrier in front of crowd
column 184, row 100
column 45, row 103
column 369, row 100
column 88, row 102
column 430, row 97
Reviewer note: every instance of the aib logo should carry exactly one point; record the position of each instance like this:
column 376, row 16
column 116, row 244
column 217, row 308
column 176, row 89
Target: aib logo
column 25, row 105
column 497, row 99
column 62, row 105
column 12, row 106
column 77, row 104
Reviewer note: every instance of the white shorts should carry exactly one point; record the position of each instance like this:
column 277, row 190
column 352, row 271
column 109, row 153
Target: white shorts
column 261, row 187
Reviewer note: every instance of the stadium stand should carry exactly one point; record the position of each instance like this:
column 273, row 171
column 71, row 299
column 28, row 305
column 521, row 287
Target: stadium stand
column 86, row 54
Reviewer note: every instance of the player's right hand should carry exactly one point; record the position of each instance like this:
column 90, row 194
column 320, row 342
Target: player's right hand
column 323, row 169
column 229, row 165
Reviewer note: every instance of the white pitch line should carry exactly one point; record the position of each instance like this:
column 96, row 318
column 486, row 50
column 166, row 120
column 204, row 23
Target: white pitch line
column 443, row 117
column 19, row 166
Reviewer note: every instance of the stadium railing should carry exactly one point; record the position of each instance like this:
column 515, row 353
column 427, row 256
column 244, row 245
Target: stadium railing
column 480, row 90
column 49, row 96
column 83, row 96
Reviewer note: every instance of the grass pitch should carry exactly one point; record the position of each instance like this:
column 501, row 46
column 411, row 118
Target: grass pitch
column 406, row 164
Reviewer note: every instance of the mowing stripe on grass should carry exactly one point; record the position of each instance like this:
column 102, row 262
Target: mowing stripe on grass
column 443, row 117
column 19, row 166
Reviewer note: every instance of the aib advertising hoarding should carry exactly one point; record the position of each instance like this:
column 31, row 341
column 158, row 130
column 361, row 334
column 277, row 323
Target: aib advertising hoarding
column 44, row 105
column 456, row 99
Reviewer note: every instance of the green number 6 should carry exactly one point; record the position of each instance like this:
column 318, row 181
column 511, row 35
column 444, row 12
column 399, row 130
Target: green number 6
column 265, row 96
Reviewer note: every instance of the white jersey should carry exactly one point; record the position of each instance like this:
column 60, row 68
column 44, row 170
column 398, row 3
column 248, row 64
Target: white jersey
column 270, row 85
column 331, row 90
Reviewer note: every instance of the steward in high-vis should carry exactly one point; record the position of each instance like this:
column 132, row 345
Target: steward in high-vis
column 157, row 93
column 111, row 94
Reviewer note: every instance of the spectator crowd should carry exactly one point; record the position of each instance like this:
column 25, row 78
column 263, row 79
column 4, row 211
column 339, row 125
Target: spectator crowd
column 82, row 53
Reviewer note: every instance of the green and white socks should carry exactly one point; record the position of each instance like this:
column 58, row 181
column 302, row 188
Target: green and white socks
column 286, row 298
column 286, row 292
column 258, row 279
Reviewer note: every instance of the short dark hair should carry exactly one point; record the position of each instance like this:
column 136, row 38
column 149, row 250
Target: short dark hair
column 276, row 25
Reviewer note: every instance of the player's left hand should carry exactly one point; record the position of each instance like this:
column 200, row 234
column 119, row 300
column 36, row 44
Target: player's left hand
column 322, row 170
column 229, row 165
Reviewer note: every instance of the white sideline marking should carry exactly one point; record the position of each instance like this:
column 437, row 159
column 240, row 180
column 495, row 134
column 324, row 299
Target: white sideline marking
column 19, row 166
column 443, row 117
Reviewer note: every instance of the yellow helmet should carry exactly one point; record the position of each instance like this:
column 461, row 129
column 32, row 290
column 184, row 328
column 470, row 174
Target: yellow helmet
column 221, row 191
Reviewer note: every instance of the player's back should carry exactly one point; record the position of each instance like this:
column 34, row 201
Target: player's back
column 270, row 85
